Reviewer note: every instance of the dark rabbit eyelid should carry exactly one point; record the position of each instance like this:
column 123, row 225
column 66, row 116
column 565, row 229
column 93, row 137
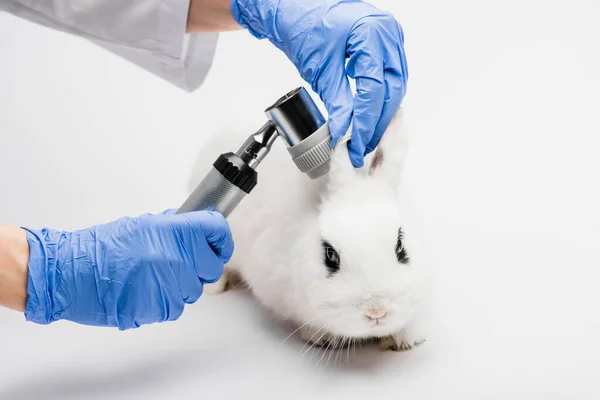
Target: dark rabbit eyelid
column 401, row 253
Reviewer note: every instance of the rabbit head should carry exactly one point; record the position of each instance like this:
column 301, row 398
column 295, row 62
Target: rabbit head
column 357, row 277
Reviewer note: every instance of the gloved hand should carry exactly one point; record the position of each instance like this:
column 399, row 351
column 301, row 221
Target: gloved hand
column 126, row 273
column 316, row 35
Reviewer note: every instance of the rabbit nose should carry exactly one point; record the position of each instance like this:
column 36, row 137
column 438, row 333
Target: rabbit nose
column 376, row 313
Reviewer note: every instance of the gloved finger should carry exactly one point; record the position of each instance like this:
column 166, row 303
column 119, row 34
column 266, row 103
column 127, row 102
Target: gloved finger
column 333, row 88
column 160, row 303
column 173, row 245
column 395, row 89
column 186, row 250
column 202, row 236
column 395, row 78
column 209, row 266
column 190, row 287
column 170, row 211
column 214, row 227
column 338, row 99
column 368, row 106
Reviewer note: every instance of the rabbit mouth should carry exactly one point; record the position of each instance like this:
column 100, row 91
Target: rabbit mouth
column 377, row 323
column 374, row 328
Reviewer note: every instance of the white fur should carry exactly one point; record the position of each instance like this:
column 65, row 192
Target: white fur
column 279, row 227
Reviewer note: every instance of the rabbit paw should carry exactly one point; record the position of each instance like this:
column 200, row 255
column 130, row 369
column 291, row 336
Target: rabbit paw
column 229, row 280
column 402, row 341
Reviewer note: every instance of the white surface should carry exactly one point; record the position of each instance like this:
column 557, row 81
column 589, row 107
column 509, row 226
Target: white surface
column 503, row 101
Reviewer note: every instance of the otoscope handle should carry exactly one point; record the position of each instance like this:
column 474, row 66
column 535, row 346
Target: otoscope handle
column 214, row 193
column 223, row 188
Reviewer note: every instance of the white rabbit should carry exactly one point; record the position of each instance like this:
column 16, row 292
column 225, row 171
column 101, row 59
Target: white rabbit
column 330, row 254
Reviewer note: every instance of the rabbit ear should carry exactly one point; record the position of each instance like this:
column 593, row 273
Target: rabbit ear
column 342, row 171
column 388, row 159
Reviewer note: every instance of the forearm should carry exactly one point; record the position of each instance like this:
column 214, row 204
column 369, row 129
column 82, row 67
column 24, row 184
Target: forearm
column 210, row 16
column 14, row 256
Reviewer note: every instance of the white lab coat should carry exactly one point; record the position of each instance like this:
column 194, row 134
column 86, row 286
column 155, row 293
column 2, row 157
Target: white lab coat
column 149, row 33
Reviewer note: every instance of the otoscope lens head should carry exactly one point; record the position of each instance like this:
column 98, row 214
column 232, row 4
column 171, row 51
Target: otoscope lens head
column 304, row 131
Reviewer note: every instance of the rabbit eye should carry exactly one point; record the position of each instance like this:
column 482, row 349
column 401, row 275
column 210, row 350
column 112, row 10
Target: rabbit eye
column 401, row 253
column 331, row 258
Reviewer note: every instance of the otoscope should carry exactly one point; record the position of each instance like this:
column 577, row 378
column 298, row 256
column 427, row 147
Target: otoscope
column 297, row 120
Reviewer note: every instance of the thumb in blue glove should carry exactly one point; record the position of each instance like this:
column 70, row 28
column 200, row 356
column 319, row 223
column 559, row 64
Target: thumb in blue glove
column 126, row 273
column 317, row 36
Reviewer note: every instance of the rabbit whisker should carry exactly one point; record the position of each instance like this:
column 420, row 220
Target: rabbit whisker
column 329, row 342
column 297, row 329
column 350, row 341
column 311, row 342
column 318, row 340
column 333, row 345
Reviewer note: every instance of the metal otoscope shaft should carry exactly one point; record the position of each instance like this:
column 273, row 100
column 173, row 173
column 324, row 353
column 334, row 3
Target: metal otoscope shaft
column 232, row 176
column 294, row 117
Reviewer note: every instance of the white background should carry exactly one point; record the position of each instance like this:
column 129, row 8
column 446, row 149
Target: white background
column 503, row 105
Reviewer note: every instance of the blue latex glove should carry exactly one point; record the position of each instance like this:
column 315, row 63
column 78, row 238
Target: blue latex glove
column 126, row 273
column 316, row 35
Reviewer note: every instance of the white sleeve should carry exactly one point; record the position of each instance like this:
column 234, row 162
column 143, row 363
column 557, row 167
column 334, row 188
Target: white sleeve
column 148, row 33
